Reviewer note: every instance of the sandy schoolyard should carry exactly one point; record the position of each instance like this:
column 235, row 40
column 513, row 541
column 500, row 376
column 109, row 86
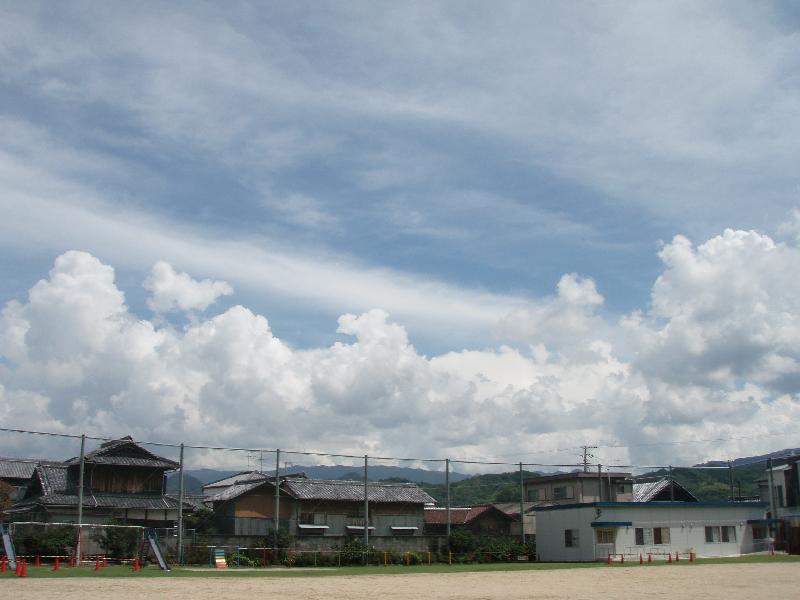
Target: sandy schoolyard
column 709, row 582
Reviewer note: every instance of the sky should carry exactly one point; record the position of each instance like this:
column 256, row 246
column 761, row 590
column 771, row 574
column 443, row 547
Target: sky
column 419, row 229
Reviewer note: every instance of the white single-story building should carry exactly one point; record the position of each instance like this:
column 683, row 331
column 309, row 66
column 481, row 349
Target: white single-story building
column 591, row 531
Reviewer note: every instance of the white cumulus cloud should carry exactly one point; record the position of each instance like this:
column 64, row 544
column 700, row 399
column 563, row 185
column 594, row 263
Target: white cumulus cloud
column 714, row 356
column 178, row 291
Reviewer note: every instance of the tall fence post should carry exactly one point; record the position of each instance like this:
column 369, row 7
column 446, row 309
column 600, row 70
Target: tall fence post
column 447, row 491
column 730, row 480
column 773, row 525
column 366, row 510
column 180, row 509
column 599, row 482
column 277, row 498
column 79, row 545
column 521, row 505
column 671, row 486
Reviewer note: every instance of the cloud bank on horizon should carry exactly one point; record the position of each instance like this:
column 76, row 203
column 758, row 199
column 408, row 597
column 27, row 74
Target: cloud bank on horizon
column 715, row 356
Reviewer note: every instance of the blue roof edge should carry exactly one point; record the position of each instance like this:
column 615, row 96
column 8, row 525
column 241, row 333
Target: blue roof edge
column 718, row 503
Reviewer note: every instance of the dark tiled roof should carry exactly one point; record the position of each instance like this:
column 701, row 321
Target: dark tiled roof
column 235, row 490
column 438, row 516
column 17, row 468
column 512, row 508
column 241, row 477
column 461, row 515
column 124, row 452
column 320, row 489
column 53, row 478
column 100, row 501
column 59, row 490
column 190, row 501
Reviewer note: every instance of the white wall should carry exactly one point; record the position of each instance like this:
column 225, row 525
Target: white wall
column 686, row 523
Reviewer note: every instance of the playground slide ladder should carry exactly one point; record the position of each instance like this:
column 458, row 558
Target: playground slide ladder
column 153, row 543
column 219, row 558
column 8, row 546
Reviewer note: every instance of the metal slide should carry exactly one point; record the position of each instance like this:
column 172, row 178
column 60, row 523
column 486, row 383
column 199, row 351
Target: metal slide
column 8, row 546
column 151, row 539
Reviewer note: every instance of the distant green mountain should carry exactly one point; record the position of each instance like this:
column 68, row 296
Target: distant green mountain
column 480, row 489
column 191, row 485
column 703, row 481
column 715, row 483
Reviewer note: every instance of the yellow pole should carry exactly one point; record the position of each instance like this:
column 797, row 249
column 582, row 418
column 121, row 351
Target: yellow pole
column 429, row 557
column 450, row 557
column 385, row 562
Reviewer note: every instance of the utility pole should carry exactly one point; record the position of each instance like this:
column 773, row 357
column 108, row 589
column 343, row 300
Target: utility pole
column 521, row 505
column 366, row 510
column 586, row 456
column 180, row 510
column 277, row 498
column 79, row 545
column 447, row 490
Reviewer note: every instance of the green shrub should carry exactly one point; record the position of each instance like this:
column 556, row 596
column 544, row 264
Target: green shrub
column 118, row 542
column 58, row 540
column 353, row 552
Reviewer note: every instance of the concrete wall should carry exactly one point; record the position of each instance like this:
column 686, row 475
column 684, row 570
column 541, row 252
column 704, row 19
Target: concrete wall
column 686, row 523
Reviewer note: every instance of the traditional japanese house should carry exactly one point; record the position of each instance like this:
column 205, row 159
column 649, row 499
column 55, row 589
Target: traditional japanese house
column 123, row 482
column 322, row 513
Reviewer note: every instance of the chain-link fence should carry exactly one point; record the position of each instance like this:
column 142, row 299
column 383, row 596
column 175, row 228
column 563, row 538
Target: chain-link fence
column 265, row 507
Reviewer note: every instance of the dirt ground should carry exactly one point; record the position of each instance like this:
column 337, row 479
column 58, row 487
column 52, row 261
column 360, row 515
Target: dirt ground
column 709, row 582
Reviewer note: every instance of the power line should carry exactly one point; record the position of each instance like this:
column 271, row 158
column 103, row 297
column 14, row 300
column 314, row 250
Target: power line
column 583, row 464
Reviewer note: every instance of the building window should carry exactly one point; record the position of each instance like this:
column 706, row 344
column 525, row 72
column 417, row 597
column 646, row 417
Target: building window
column 534, row 495
column 563, row 492
column 605, row 535
column 720, row 534
column 570, row 538
column 645, row 536
column 313, row 518
column 759, row 532
column 661, row 535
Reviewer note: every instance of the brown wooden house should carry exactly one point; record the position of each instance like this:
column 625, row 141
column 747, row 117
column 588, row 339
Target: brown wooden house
column 123, row 482
column 484, row 520
column 321, row 513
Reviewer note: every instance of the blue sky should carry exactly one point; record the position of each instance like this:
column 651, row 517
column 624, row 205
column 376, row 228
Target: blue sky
column 447, row 163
